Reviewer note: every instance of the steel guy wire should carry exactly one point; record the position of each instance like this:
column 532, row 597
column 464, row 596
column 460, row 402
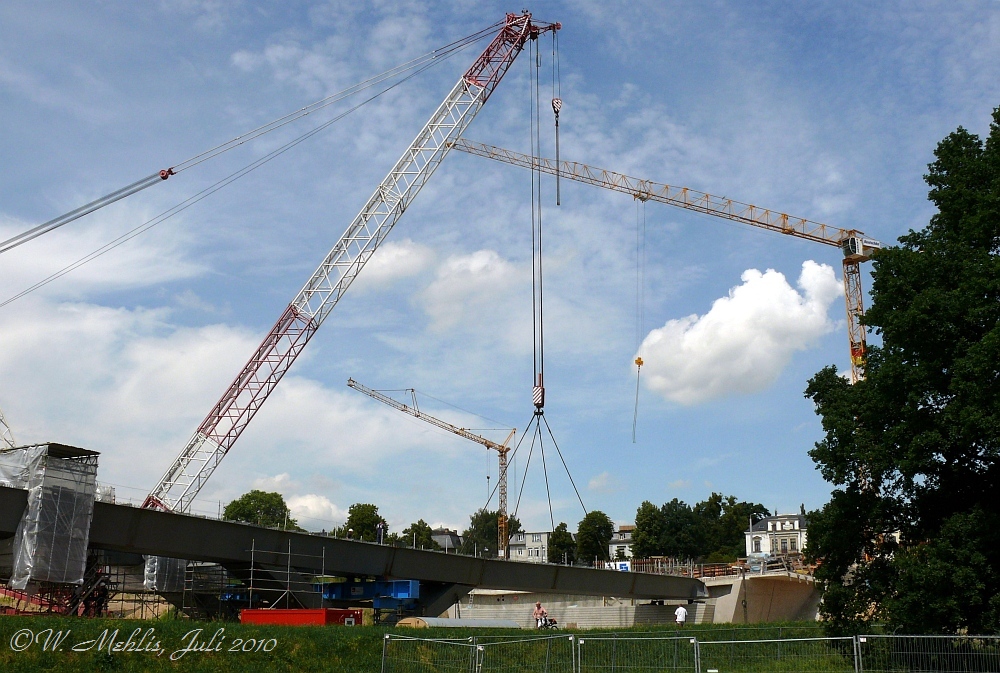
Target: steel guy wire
column 160, row 176
column 208, row 191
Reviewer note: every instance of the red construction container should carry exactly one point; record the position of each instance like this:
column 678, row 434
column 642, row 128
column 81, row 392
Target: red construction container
column 319, row 617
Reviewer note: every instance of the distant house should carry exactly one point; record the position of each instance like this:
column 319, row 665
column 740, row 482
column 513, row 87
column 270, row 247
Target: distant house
column 532, row 547
column 778, row 535
column 449, row 539
column 621, row 543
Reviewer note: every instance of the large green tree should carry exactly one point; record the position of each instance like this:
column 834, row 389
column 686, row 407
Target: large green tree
column 362, row 521
column 911, row 535
column 711, row 530
column 562, row 546
column 261, row 508
column 419, row 536
column 482, row 533
column 593, row 534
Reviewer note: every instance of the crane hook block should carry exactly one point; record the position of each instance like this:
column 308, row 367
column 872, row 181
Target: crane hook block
column 556, row 105
column 166, row 173
column 639, row 362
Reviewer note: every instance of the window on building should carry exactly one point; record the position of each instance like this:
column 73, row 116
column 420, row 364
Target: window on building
column 536, row 537
column 784, row 545
column 756, row 545
column 794, row 544
column 520, row 537
column 520, row 552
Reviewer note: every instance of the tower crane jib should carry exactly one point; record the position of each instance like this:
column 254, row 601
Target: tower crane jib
column 223, row 425
column 856, row 247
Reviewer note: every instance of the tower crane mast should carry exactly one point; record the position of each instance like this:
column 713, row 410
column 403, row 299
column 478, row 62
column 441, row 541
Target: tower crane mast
column 502, row 450
column 855, row 245
column 223, row 425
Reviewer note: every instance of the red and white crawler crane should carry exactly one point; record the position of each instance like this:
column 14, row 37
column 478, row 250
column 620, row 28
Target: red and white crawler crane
column 223, row 425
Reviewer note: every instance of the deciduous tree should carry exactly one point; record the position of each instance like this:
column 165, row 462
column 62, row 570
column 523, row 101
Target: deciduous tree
column 562, row 546
column 419, row 536
column 261, row 508
column 593, row 534
column 913, row 448
column 482, row 532
column 363, row 520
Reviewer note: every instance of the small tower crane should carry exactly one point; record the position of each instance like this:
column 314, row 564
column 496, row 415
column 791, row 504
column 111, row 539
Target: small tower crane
column 501, row 449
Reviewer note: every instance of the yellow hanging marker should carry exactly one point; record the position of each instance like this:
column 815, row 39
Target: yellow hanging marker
column 635, row 414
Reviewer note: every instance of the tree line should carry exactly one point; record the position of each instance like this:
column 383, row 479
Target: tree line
column 710, row 531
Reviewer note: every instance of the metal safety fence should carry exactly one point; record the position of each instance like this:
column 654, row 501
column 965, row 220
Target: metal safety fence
column 919, row 654
column 480, row 654
column 789, row 655
column 648, row 652
column 610, row 654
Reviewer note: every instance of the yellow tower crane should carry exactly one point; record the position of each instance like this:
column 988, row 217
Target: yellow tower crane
column 502, row 450
column 855, row 245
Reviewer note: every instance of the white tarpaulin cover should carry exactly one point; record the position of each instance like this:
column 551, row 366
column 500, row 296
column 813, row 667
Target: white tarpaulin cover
column 50, row 544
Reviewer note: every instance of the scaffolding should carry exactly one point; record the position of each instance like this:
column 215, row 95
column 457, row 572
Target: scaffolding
column 50, row 544
column 281, row 585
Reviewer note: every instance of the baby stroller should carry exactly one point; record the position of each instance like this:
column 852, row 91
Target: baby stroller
column 545, row 623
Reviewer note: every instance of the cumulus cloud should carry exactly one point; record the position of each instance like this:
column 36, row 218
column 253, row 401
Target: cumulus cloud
column 312, row 509
column 393, row 261
column 158, row 258
column 605, row 482
column 483, row 292
column 279, row 483
column 745, row 340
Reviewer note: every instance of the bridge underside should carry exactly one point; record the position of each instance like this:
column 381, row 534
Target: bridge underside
column 445, row 578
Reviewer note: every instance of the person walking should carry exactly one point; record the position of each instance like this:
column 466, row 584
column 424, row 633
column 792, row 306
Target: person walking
column 681, row 615
column 540, row 615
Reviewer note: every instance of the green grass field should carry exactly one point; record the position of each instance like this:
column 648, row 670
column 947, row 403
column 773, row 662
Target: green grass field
column 27, row 644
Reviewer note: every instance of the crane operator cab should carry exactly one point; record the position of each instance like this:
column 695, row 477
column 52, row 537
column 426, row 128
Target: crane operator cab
column 859, row 248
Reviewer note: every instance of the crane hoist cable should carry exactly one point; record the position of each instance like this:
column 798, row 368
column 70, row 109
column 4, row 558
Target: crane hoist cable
column 419, row 63
column 556, row 104
column 640, row 299
column 534, row 426
column 213, row 188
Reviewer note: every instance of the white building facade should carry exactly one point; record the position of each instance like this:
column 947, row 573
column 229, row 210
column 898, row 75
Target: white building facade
column 778, row 535
column 530, row 547
column 620, row 546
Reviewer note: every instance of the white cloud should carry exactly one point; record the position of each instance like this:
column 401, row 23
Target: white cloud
column 484, row 285
column 605, row 482
column 279, row 483
column 744, row 342
column 156, row 257
column 393, row 261
column 312, row 509
column 679, row 483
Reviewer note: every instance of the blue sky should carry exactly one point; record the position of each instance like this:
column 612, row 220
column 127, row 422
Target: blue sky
column 826, row 110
